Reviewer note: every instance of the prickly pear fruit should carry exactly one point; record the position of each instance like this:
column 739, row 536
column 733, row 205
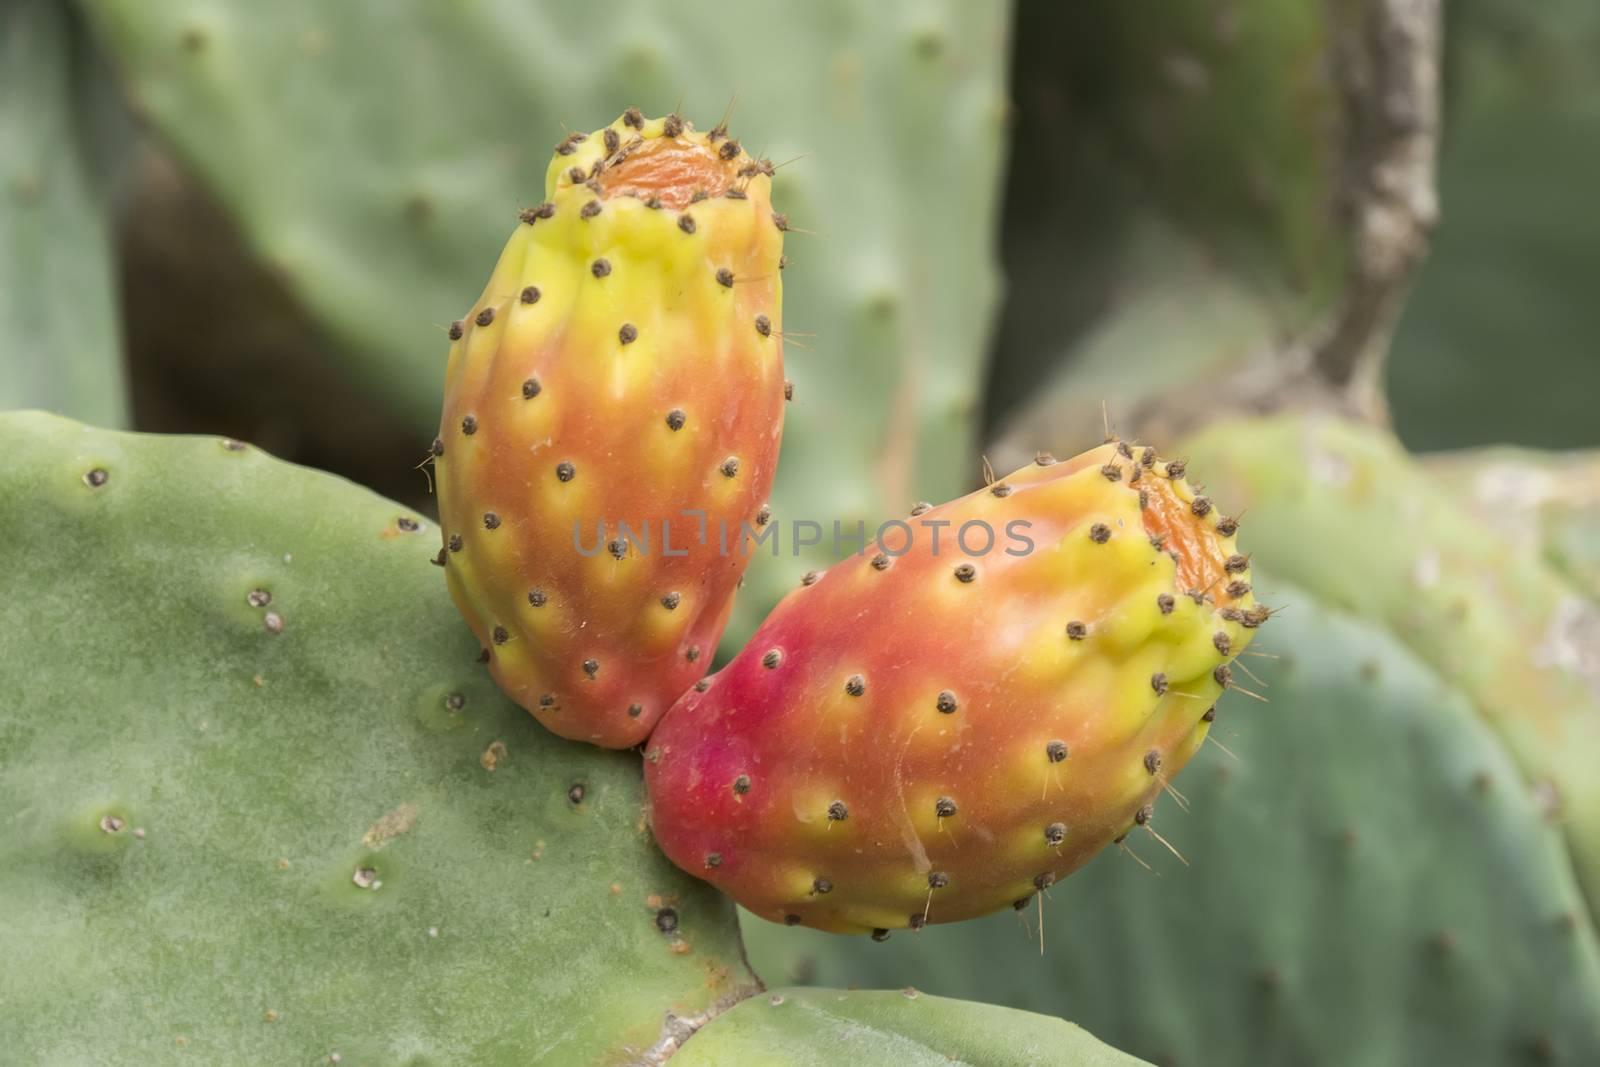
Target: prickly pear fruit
column 923, row 734
column 613, row 407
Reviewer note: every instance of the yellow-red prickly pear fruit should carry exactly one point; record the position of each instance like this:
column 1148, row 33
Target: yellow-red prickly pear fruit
column 613, row 407
column 940, row 728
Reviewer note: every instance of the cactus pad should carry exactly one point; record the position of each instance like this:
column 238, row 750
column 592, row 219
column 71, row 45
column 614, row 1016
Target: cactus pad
column 835, row 1028
column 57, row 289
column 262, row 804
column 1543, row 503
column 1369, row 881
column 1507, row 631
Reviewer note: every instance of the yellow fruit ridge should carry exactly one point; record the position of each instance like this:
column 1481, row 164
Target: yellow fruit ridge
column 612, row 415
column 924, row 736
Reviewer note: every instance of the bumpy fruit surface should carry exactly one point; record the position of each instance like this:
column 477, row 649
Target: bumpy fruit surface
column 613, row 407
column 929, row 736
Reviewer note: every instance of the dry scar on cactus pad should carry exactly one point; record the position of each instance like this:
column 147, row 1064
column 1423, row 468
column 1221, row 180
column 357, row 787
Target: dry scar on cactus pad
column 618, row 384
column 929, row 736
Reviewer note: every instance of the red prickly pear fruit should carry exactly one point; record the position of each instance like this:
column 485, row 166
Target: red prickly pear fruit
column 613, row 408
column 924, row 735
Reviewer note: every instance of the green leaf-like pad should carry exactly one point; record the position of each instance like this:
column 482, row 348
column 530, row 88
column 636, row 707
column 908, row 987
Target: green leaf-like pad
column 378, row 173
column 1369, row 881
column 259, row 803
column 835, row 1028
column 57, row 290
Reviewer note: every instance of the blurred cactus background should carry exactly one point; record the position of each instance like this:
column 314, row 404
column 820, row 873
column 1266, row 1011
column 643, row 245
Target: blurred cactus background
column 1341, row 254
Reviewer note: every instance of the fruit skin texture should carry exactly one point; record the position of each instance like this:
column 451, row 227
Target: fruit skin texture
column 934, row 737
column 624, row 364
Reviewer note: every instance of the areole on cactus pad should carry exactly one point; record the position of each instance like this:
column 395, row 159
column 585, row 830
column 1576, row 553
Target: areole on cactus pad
column 927, row 732
column 612, row 415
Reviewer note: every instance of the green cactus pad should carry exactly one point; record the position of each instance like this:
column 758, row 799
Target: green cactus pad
column 1370, row 881
column 263, row 805
column 57, row 289
column 1542, row 503
column 1507, row 631
column 893, row 115
column 835, row 1028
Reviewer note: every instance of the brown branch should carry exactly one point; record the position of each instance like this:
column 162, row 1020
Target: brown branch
column 1387, row 68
